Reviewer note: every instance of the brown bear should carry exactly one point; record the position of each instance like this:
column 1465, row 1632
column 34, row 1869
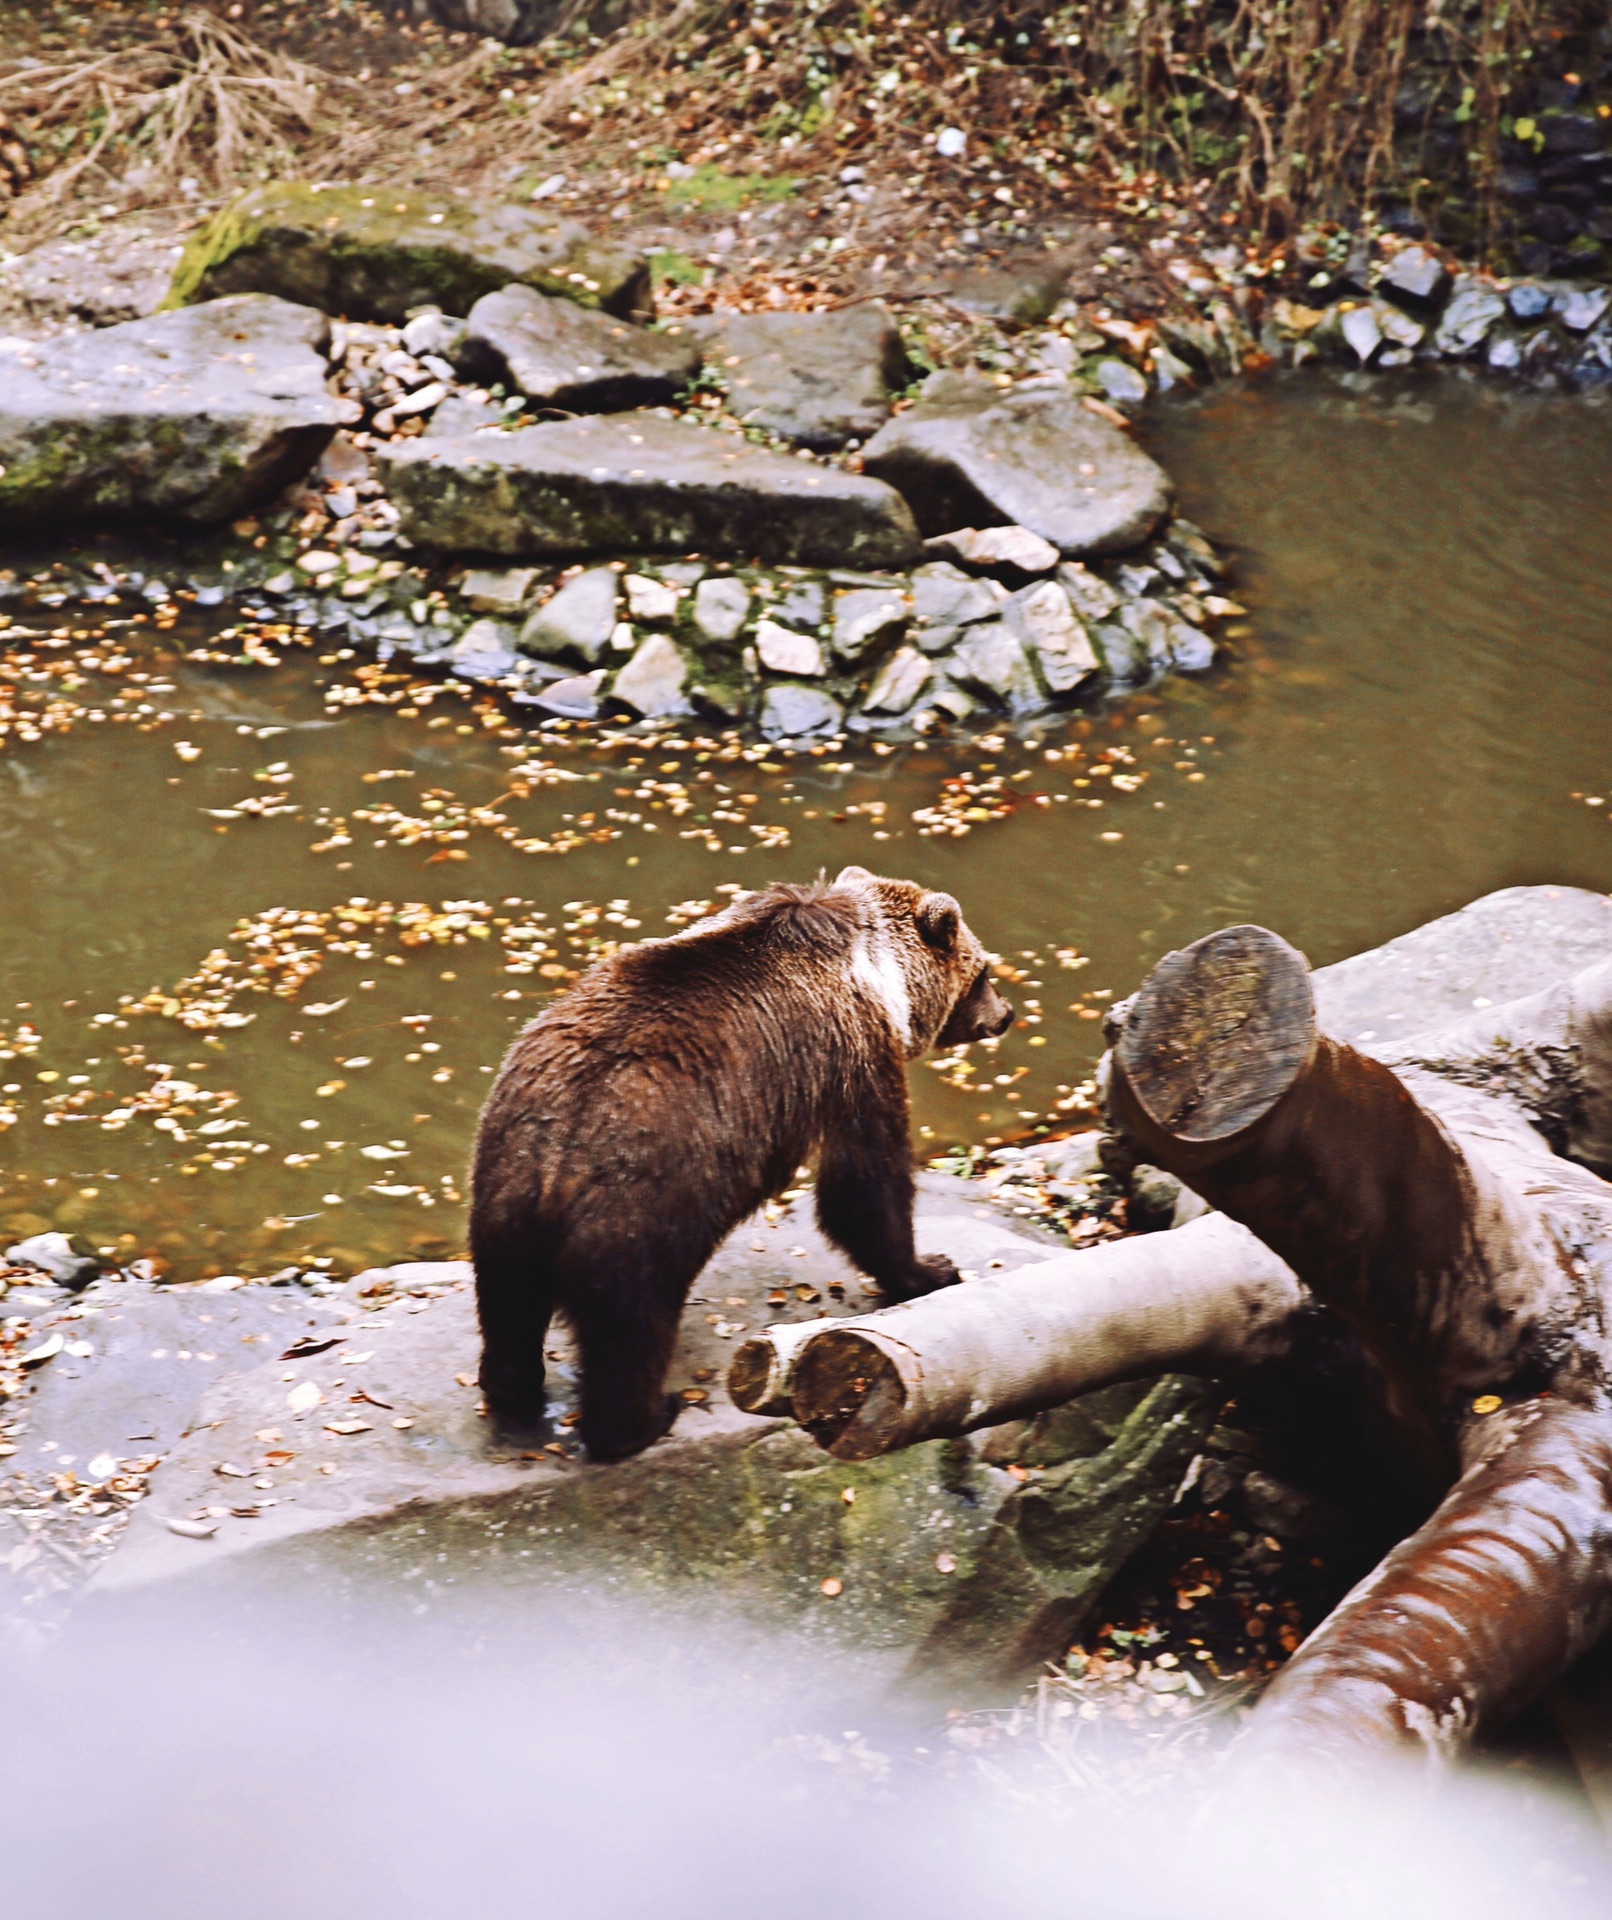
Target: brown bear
column 679, row 1085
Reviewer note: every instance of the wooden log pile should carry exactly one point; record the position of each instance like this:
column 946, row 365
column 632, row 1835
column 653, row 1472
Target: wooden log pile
column 1444, row 1201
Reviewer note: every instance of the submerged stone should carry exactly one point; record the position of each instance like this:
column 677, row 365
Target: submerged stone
column 790, row 711
column 899, row 682
column 197, row 415
column 1166, row 640
column 484, row 651
column 968, row 456
column 639, row 483
column 563, row 355
column 574, row 699
column 1057, row 642
column 818, row 379
column 373, row 254
column 992, row 658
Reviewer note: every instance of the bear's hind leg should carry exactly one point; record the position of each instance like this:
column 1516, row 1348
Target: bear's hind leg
column 514, row 1303
column 626, row 1339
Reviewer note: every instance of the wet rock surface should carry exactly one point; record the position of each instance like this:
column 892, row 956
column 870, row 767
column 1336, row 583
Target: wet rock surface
column 818, row 379
column 559, row 354
column 577, row 621
column 640, row 483
column 198, row 414
column 373, row 254
column 966, row 455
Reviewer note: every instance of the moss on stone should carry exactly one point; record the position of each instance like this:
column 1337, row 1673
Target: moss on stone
column 374, row 255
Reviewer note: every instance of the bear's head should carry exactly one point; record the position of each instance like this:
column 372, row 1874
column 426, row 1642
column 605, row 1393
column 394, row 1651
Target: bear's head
column 923, row 963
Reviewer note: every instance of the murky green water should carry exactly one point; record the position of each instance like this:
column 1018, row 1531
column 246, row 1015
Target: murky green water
column 1416, row 713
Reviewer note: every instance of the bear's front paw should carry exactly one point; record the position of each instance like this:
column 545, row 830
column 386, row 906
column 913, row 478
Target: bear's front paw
column 934, row 1271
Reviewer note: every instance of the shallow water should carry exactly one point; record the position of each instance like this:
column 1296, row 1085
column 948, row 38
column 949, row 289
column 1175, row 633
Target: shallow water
column 1414, row 713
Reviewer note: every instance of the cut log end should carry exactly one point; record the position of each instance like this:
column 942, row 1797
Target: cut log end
column 1218, row 1034
column 849, row 1395
column 755, row 1376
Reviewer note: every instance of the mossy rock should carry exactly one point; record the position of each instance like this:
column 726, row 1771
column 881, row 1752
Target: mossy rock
column 191, row 417
column 369, row 254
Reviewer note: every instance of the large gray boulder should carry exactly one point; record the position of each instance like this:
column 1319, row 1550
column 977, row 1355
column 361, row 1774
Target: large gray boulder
column 193, row 416
column 370, row 253
column 893, row 1557
column 819, row 379
column 967, row 455
column 640, row 483
column 563, row 355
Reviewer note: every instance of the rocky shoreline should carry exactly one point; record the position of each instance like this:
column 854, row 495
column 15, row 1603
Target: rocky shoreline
column 871, row 517
column 818, row 538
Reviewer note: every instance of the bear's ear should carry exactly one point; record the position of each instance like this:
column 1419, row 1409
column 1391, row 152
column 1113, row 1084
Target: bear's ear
column 939, row 917
column 851, row 876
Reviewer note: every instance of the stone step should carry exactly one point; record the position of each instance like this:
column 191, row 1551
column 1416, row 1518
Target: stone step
column 640, row 483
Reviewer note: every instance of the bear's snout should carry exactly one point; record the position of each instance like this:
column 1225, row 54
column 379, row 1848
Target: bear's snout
column 996, row 1016
column 981, row 1014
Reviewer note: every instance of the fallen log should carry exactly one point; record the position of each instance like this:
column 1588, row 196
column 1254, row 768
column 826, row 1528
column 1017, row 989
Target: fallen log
column 1471, row 1618
column 1206, row 1298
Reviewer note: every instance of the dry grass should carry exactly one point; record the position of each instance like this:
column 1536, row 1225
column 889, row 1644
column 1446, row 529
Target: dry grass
column 1292, row 107
column 209, row 108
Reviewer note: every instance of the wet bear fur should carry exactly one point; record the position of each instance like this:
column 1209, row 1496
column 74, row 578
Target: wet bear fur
column 679, row 1085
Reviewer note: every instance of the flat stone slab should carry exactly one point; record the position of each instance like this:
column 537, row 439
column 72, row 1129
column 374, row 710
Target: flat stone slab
column 640, row 483
column 1506, row 945
column 379, row 1462
column 121, row 273
column 818, row 379
column 1020, row 290
column 966, row 455
column 197, row 415
column 563, row 355
column 136, row 1358
column 370, row 253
